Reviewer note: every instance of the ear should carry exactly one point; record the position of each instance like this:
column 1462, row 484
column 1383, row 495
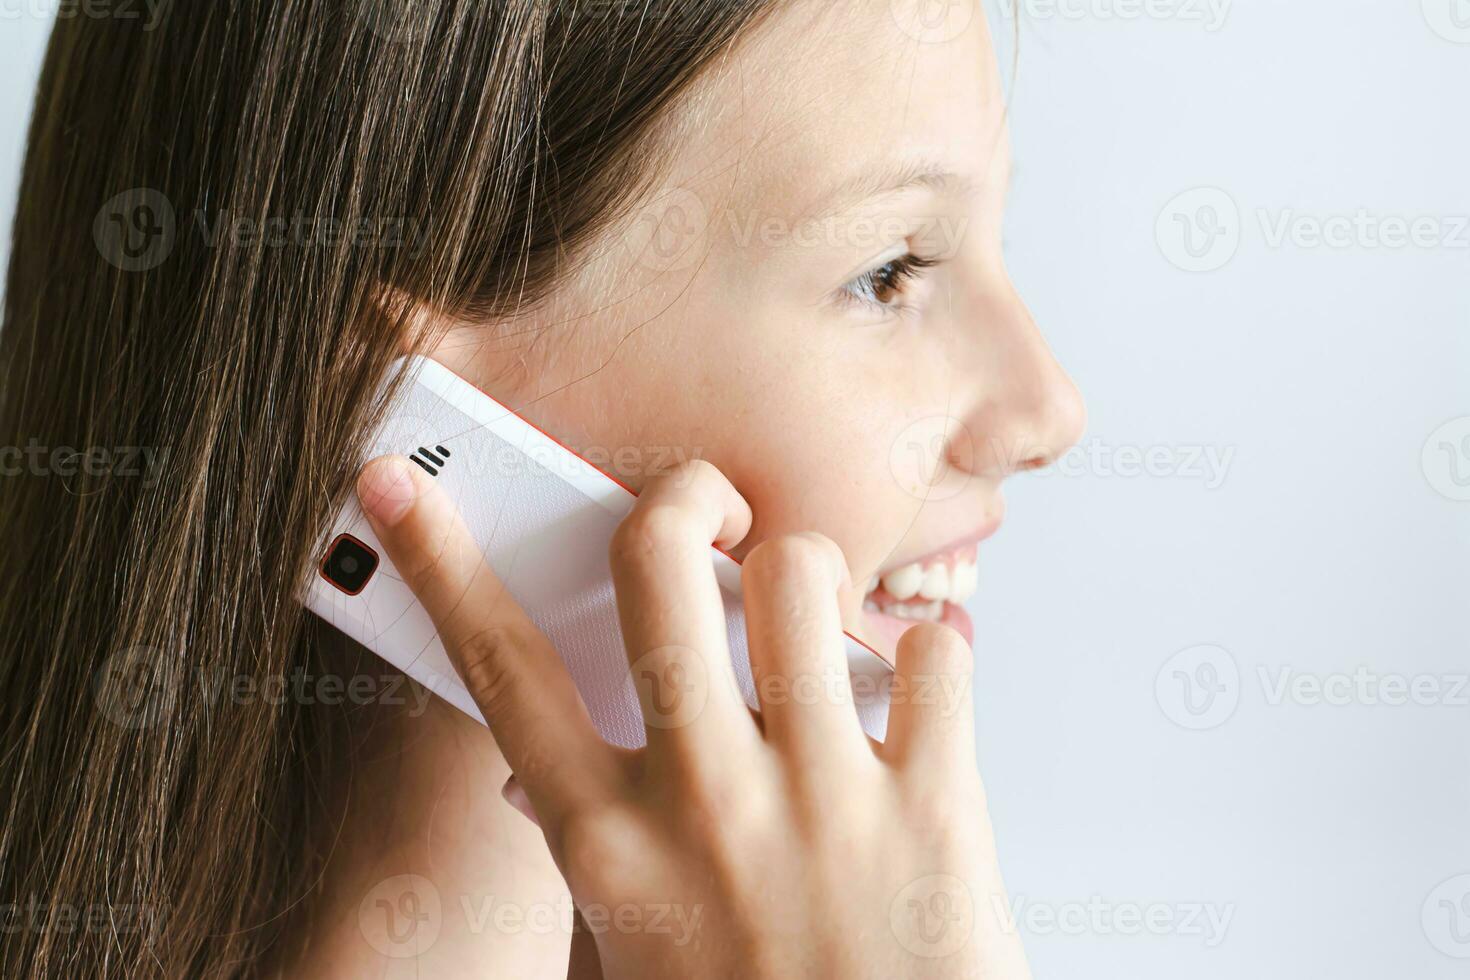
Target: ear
column 422, row 326
column 491, row 353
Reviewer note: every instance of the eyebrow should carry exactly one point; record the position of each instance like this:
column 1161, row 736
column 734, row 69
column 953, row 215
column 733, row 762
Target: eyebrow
column 889, row 178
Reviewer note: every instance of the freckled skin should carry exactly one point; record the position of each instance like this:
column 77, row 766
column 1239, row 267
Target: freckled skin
column 744, row 357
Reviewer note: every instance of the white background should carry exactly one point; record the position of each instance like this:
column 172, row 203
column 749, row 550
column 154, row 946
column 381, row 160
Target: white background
column 1326, row 545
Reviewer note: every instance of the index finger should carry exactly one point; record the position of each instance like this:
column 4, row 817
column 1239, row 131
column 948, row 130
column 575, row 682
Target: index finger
column 508, row 666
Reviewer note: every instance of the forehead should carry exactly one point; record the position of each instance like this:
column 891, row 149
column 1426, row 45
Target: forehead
column 824, row 92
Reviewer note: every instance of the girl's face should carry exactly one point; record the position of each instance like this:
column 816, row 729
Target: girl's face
column 815, row 300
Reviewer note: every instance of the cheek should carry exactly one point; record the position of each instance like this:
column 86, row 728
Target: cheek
column 800, row 417
column 815, row 464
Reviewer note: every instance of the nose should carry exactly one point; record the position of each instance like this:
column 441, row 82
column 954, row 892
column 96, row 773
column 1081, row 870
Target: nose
column 1028, row 410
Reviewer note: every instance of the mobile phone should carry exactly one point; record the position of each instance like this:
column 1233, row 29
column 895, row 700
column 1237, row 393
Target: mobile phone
column 543, row 516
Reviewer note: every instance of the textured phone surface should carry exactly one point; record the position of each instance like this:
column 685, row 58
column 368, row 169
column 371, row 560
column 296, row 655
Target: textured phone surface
column 543, row 518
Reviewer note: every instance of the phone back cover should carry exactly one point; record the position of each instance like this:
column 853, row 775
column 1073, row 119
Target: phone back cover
column 543, row 518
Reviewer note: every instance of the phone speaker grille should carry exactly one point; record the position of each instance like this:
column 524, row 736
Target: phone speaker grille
column 432, row 461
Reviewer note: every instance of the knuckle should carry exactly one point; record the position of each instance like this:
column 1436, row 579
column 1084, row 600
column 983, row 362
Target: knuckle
column 934, row 807
column 423, row 568
column 952, row 810
column 692, row 471
column 698, row 469
column 431, row 556
column 591, row 844
column 792, row 557
column 649, row 531
column 484, row 662
column 714, row 800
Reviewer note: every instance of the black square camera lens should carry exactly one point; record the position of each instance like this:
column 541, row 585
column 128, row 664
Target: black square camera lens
column 349, row 564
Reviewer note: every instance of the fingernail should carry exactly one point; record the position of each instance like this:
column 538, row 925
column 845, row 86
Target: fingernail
column 517, row 798
column 387, row 489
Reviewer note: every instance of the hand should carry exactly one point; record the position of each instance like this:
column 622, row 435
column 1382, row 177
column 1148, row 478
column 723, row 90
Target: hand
column 785, row 844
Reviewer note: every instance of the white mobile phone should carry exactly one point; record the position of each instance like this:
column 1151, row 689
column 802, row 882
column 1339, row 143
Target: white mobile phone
column 543, row 517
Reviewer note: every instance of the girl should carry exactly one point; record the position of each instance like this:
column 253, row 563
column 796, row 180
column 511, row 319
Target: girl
column 759, row 234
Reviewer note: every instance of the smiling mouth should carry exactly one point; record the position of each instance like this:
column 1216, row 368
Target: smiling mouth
column 932, row 588
column 920, row 589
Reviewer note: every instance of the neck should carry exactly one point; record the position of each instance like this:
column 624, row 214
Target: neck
column 432, row 873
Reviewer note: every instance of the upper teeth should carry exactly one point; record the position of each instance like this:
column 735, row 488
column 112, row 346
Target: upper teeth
column 938, row 581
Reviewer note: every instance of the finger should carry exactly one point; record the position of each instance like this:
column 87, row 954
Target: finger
column 931, row 717
column 510, row 668
column 583, row 963
column 515, row 794
column 797, row 651
column 672, row 611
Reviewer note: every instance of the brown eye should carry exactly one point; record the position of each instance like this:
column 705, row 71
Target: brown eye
column 886, row 283
column 883, row 286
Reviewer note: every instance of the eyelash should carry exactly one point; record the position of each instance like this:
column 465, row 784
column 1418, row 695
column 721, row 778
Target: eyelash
column 891, row 276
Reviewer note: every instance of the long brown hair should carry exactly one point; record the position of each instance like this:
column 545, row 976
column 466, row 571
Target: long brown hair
column 193, row 319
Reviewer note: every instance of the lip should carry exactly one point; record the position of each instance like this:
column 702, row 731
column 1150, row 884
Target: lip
column 884, row 630
column 958, row 544
column 881, row 632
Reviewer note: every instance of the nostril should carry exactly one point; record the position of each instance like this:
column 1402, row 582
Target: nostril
column 1036, row 462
